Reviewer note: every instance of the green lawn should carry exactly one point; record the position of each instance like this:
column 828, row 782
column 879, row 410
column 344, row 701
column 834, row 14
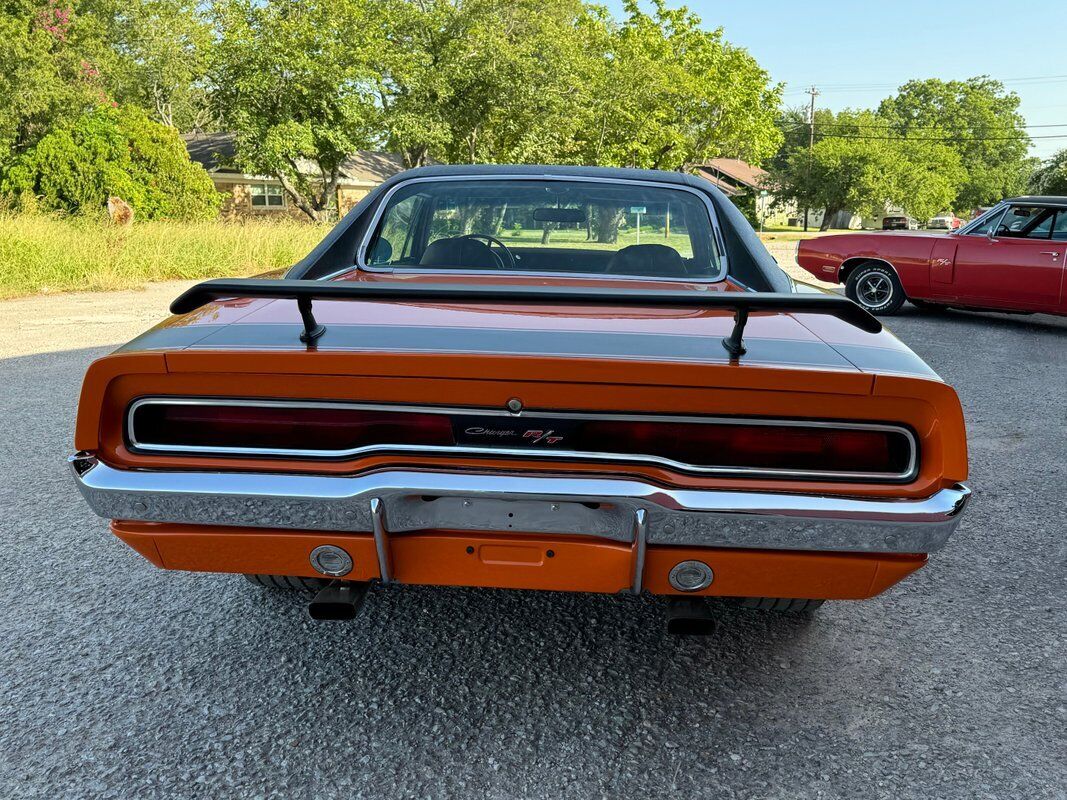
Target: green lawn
column 44, row 253
column 52, row 253
column 577, row 239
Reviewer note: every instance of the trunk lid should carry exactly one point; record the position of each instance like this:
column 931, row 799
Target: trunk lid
column 510, row 342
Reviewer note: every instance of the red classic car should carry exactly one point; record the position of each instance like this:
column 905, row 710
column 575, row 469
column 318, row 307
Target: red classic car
column 1009, row 259
column 556, row 378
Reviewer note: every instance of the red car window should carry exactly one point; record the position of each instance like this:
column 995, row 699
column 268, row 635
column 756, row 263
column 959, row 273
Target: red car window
column 1042, row 227
column 986, row 226
column 1026, row 222
column 1059, row 229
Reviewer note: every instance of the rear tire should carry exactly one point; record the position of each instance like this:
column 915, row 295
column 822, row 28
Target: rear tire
column 783, row 605
column 291, row 583
column 876, row 287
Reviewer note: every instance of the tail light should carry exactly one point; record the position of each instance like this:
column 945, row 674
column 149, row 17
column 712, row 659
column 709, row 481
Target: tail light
column 290, row 430
column 701, row 445
column 758, row 447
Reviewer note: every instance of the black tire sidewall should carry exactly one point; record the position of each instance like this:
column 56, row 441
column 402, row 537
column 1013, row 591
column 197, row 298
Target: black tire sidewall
column 896, row 297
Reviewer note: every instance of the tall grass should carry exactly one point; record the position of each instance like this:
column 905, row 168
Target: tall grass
column 44, row 253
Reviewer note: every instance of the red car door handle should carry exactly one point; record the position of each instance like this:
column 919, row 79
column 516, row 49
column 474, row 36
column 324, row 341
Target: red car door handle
column 1053, row 253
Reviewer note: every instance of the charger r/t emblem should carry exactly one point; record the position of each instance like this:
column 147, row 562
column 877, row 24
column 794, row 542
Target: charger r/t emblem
column 548, row 437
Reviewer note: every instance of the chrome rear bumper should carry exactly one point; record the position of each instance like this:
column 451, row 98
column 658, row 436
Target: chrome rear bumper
column 600, row 507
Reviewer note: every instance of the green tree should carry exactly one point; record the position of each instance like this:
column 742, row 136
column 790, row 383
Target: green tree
column 48, row 70
column 469, row 81
column 850, row 169
column 669, row 95
column 560, row 81
column 1051, row 176
column 792, row 184
column 293, row 80
column 112, row 151
column 61, row 59
column 978, row 119
column 159, row 58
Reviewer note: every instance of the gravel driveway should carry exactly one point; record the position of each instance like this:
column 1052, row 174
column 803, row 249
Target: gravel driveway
column 118, row 680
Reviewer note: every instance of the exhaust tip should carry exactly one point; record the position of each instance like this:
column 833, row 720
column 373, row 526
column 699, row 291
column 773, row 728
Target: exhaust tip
column 338, row 602
column 691, row 627
column 690, row 616
column 332, row 612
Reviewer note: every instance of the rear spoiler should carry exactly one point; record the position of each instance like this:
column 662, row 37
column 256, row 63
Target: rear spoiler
column 741, row 303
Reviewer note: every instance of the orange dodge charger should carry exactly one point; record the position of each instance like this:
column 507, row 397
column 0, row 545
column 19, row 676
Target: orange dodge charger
column 566, row 378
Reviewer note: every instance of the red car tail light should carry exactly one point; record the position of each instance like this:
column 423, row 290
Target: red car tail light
column 287, row 430
column 692, row 444
column 758, row 447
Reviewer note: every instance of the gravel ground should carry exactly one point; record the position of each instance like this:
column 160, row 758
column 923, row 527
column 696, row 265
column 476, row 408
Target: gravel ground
column 118, row 680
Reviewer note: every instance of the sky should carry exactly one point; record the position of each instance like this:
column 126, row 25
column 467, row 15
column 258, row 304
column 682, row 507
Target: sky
column 858, row 52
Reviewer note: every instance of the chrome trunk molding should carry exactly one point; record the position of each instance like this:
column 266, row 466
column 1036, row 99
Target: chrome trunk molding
column 525, row 453
column 597, row 507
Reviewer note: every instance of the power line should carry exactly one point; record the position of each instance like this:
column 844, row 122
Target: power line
column 861, row 134
column 945, row 138
column 890, row 125
column 835, row 87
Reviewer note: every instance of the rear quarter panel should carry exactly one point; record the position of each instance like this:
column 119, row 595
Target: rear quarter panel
column 908, row 254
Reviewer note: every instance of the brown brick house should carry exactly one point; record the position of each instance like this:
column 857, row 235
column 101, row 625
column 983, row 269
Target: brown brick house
column 735, row 177
column 257, row 195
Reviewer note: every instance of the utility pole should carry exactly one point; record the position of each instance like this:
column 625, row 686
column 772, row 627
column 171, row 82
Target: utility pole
column 811, row 145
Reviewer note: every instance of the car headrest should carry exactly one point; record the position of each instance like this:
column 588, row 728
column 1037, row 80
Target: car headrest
column 647, row 259
column 459, row 253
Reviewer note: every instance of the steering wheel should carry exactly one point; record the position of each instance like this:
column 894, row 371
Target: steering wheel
column 493, row 240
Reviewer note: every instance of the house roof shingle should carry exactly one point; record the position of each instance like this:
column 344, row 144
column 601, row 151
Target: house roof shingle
column 215, row 152
column 735, row 171
column 212, row 151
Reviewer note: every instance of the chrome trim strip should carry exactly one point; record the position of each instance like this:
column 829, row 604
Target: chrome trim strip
column 528, row 453
column 379, row 211
column 640, row 544
column 597, row 507
column 381, row 539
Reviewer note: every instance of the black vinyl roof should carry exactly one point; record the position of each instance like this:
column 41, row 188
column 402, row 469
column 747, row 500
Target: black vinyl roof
column 561, row 171
column 1040, row 200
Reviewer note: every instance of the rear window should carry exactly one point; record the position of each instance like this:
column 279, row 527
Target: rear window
column 547, row 226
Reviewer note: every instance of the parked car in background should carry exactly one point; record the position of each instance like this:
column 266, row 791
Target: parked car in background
column 1010, row 259
column 899, row 222
column 944, row 222
column 561, row 378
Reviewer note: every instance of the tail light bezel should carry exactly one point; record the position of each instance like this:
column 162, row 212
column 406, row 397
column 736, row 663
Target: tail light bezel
column 907, row 475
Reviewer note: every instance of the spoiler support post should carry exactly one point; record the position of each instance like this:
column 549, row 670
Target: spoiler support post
column 312, row 328
column 735, row 343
